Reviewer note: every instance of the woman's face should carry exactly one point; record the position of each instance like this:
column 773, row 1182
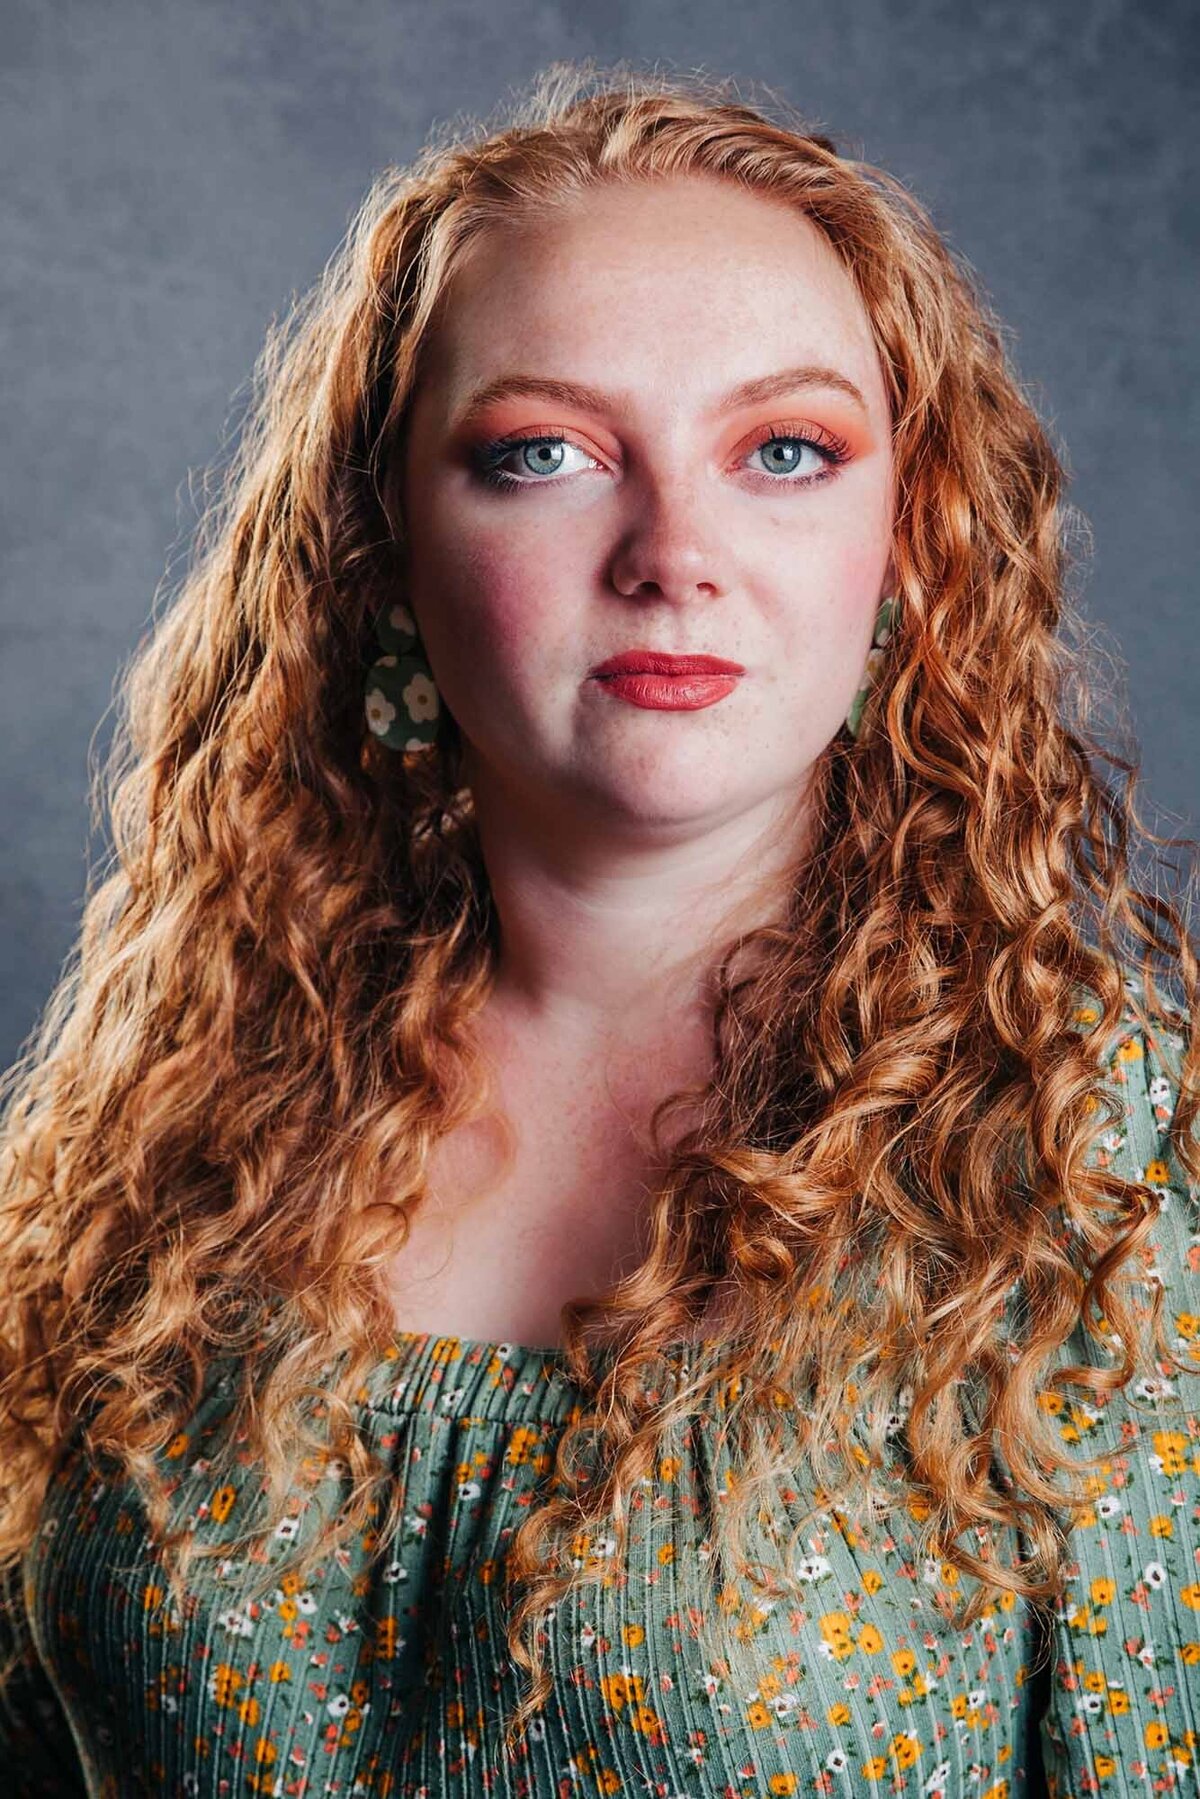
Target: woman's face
column 683, row 511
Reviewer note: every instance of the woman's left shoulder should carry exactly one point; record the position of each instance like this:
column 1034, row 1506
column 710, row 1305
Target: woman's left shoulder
column 1141, row 1061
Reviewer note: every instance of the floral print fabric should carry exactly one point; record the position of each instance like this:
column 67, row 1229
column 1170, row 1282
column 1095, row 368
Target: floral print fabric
column 388, row 1675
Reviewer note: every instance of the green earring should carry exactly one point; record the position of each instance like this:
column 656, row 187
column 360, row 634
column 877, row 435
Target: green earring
column 400, row 695
column 883, row 631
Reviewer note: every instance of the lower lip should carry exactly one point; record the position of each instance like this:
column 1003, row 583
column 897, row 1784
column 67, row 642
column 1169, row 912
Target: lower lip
column 669, row 693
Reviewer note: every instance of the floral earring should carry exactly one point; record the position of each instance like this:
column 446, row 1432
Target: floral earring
column 883, row 630
column 401, row 697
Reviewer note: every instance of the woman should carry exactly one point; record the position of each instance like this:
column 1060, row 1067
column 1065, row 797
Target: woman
column 693, row 1160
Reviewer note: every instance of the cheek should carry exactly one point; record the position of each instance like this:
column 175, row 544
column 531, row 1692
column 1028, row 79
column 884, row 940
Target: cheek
column 489, row 606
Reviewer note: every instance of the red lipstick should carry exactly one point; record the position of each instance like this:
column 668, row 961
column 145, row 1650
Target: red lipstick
column 661, row 682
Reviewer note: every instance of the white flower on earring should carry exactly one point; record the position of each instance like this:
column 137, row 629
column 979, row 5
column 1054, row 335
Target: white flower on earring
column 421, row 698
column 380, row 712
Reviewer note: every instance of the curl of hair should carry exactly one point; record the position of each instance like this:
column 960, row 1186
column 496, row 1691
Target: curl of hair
column 216, row 1139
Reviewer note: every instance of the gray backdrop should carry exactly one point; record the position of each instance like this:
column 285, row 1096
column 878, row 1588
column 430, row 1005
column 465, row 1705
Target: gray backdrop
column 176, row 171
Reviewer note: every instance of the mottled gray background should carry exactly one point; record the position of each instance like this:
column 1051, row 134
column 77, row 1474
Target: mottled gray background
column 175, row 171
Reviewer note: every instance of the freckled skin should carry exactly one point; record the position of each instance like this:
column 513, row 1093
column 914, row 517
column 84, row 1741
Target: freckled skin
column 669, row 295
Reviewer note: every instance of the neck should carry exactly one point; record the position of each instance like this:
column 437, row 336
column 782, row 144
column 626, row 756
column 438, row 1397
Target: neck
column 613, row 936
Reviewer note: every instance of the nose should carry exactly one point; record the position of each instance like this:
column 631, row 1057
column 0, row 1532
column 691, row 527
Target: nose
column 669, row 548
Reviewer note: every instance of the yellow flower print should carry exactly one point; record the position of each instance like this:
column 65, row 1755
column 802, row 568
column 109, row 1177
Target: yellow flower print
column 1105, row 1765
column 1103, row 1591
column 905, row 1749
column 1187, row 1324
column 872, row 1580
column 1191, row 1654
column 876, row 1768
column 1157, row 1174
column 835, row 1629
column 1118, row 1701
column 619, row 1688
column 1130, row 1050
column 757, row 1715
column 999, row 1791
column 1155, row 1734
column 523, row 1441
column 222, row 1503
column 1170, row 1447
column 633, row 1636
column 838, row 1714
column 1162, row 1525
column 225, row 1682
column 1191, row 1596
column 666, row 1554
column 904, row 1661
column 869, row 1640
column 782, row 1785
column 646, row 1721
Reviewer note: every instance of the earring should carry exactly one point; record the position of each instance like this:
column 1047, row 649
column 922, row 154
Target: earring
column 400, row 695
column 883, row 630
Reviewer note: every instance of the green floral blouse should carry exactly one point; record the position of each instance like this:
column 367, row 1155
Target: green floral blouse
column 388, row 1674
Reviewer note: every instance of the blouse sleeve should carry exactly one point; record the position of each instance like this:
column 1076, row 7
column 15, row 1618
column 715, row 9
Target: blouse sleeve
column 1123, row 1708
column 37, row 1749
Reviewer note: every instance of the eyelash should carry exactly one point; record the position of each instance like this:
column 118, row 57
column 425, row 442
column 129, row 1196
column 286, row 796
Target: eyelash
column 835, row 450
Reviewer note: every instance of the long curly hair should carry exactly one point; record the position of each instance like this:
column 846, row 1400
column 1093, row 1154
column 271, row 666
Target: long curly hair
column 217, row 1135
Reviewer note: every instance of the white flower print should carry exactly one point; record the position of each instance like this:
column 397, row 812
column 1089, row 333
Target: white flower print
column 380, row 712
column 236, row 1623
column 420, row 697
column 813, row 1567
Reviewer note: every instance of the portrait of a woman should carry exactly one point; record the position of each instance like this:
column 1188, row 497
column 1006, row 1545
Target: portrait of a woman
column 612, row 1204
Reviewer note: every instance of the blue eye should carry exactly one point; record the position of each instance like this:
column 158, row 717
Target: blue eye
column 787, row 446
column 541, row 458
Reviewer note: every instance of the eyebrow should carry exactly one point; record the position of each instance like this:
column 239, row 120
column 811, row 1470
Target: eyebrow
column 592, row 399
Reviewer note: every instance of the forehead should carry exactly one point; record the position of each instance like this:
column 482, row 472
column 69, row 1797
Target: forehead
column 672, row 287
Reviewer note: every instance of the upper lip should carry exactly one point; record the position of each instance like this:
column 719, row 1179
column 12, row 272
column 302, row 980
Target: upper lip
column 660, row 662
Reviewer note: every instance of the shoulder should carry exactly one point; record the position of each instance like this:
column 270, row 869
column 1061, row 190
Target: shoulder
column 1140, row 1063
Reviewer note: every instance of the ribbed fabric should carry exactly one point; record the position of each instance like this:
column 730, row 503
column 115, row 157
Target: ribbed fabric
column 388, row 1674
